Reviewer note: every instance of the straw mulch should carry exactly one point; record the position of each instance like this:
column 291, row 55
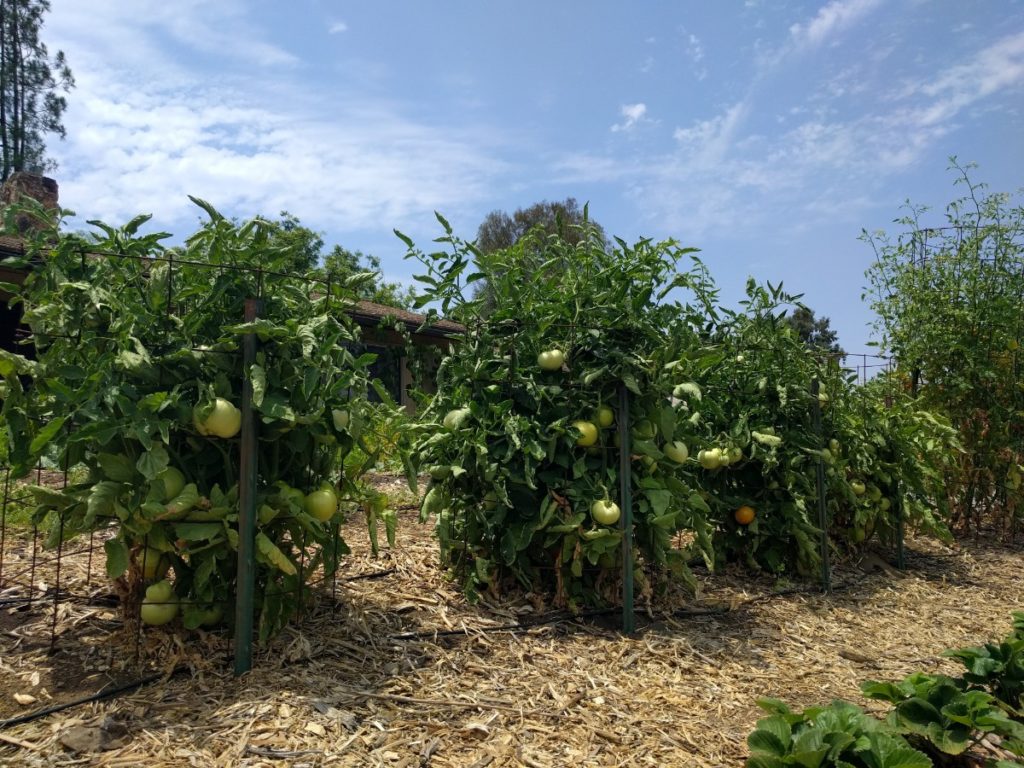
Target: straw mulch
column 399, row 670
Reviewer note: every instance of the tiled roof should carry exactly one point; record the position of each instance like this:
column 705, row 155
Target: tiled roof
column 373, row 311
column 11, row 244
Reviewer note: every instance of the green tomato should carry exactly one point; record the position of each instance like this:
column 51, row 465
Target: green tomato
column 156, row 614
column 884, row 504
column 604, row 416
column 173, row 482
column 224, row 420
column 605, row 512
column 211, row 615
column 161, row 592
column 834, row 446
column 676, row 451
column 874, row 493
column 644, row 430
column 857, row 487
column 340, row 418
column 152, row 563
column 551, row 359
column 588, row 433
column 454, row 419
column 322, row 504
column 735, row 454
column 710, row 459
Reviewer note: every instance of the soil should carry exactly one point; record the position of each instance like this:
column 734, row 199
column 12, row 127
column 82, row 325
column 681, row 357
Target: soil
column 394, row 667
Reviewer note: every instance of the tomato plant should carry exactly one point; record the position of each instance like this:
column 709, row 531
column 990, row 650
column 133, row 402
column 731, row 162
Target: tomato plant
column 759, row 447
column 517, row 476
column 948, row 299
column 138, row 382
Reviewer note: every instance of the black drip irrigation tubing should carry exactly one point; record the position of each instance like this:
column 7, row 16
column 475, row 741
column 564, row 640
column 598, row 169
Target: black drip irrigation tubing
column 373, row 575
column 104, row 693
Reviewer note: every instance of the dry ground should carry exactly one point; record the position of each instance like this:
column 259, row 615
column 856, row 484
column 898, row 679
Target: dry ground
column 399, row 670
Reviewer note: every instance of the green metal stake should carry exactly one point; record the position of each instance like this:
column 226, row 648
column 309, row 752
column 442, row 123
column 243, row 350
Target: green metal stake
column 826, row 565
column 246, row 581
column 626, row 520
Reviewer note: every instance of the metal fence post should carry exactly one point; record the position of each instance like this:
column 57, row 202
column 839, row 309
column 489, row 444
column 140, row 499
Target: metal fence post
column 246, row 579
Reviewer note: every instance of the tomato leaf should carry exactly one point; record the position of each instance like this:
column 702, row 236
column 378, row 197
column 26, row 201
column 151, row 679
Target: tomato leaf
column 117, row 557
column 153, row 461
column 273, row 555
column 198, row 531
column 258, row 380
column 46, row 434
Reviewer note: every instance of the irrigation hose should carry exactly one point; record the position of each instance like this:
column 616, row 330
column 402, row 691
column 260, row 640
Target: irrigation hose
column 104, row 693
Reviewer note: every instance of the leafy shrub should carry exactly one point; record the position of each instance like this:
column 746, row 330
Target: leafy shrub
column 948, row 305
column 505, row 441
column 139, row 348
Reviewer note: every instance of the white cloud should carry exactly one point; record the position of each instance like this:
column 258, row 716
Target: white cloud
column 125, row 32
column 248, row 141
column 695, row 49
column 633, row 113
column 708, row 141
column 695, row 52
column 999, row 66
column 337, row 28
column 830, row 20
column 128, row 152
column 723, row 176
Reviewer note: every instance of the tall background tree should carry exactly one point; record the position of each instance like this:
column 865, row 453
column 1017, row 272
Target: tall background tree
column 563, row 218
column 32, row 85
column 499, row 232
column 815, row 332
column 303, row 250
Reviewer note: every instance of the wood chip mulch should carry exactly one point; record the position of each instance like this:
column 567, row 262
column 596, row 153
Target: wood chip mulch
column 399, row 670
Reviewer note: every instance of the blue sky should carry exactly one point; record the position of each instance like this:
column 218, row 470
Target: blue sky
column 765, row 133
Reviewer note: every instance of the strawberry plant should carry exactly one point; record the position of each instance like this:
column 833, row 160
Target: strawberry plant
column 944, row 715
column 935, row 720
column 137, row 388
column 998, row 668
column 839, row 735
